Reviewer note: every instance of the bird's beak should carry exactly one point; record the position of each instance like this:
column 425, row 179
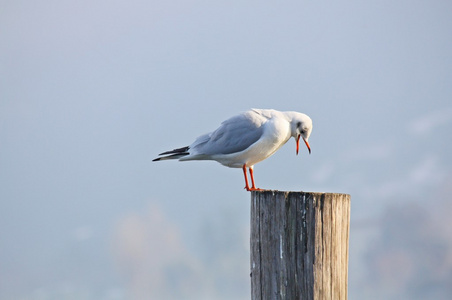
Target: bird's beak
column 307, row 145
column 298, row 143
column 305, row 141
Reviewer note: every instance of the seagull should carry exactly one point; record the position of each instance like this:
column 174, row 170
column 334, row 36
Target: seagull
column 246, row 139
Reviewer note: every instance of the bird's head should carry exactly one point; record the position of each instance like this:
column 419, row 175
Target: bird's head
column 300, row 127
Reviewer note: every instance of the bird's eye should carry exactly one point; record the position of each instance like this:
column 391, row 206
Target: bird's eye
column 298, row 124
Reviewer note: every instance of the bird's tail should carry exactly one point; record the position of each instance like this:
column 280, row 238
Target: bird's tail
column 173, row 154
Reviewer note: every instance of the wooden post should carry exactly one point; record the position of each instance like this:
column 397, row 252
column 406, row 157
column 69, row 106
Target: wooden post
column 299, row 245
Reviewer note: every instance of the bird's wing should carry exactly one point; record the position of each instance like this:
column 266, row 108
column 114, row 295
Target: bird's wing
column 234, row 135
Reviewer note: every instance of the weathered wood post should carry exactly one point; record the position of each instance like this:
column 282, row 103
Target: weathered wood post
column 299, row 245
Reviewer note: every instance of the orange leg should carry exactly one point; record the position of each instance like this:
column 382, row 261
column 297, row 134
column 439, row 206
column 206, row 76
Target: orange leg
column 253, row 186
column 247, row 187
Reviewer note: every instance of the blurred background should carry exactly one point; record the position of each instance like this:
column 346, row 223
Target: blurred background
column 92, row 91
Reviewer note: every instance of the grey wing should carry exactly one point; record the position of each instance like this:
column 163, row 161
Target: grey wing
column 234, row 135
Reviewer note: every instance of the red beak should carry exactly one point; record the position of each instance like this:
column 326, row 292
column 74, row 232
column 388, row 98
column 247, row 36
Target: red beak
column 305, row 141
column 298, row 143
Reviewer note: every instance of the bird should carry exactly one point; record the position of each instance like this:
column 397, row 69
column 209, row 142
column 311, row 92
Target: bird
column 246, row 139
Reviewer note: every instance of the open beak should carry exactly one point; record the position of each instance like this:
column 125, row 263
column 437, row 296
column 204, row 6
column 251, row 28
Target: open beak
column 305, row 141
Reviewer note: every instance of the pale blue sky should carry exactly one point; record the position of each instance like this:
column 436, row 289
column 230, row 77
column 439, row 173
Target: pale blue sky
column 91, row 92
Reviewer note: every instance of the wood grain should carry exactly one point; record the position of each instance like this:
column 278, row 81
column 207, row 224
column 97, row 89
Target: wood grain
column 299, row 245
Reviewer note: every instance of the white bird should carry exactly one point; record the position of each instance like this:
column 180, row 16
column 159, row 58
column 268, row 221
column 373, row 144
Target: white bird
column 246, row 139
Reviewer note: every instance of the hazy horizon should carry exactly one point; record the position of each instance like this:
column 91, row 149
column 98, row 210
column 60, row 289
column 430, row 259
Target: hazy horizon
column 91, row 92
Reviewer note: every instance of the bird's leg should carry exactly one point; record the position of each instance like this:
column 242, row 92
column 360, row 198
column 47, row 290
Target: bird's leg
column 247, row 187
column 253, row 186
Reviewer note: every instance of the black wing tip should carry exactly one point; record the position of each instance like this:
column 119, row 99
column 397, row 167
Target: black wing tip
column 172, row 156
column 182, row 150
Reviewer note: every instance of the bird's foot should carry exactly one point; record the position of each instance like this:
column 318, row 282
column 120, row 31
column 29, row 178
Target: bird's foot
column 252, row 189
